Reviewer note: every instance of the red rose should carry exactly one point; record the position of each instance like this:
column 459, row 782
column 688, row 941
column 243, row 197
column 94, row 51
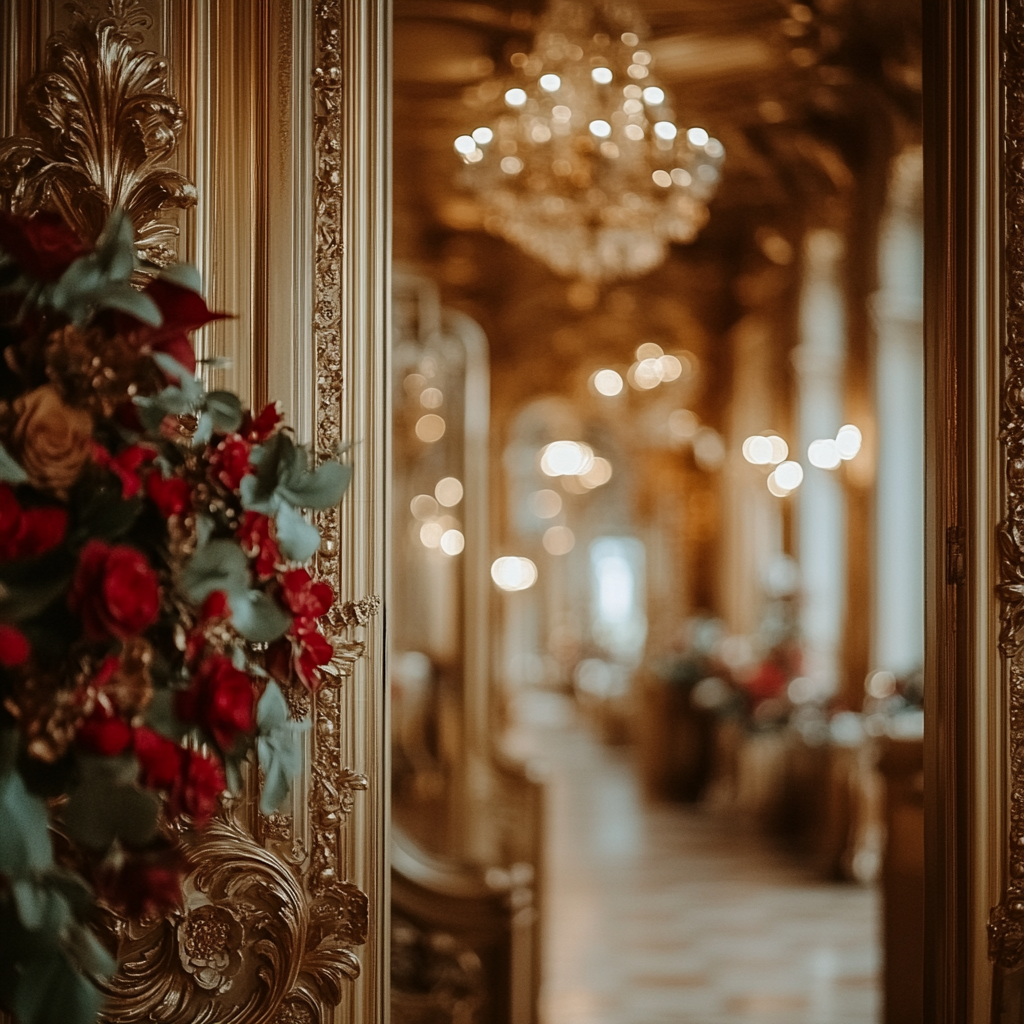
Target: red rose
column 259, row 429
column 200, row 787
column 106, row 734
column 14, row 647
column 220, row 699
column 171, row 496
column 303, row 596
column 257, row 541
column 42, row 528
column 25, row 533
column 114, row 591
column 230, row 461
column 42, row 245
column 160, row 759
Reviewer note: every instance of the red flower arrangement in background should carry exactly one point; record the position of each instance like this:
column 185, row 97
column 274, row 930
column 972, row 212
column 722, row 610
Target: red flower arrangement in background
column 153, row 592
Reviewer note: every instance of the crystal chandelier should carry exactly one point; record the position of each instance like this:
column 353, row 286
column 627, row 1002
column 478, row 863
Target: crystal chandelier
column 580, row 162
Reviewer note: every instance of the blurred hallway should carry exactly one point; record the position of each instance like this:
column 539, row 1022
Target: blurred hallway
column 676, row 915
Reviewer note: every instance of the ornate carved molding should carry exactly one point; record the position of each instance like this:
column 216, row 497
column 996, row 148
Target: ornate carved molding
column 103, row 128
column 1006, row 922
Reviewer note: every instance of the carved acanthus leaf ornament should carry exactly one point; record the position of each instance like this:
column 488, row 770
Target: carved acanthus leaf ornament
column 1006, row 923
column 103, row 127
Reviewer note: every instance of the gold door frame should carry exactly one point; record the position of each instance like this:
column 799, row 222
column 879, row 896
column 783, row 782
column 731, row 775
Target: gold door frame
column 974, row 344
column 286, row 136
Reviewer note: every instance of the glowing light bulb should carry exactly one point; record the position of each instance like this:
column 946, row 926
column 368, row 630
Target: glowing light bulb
column 452, row 542
column 558, row 540
column 665, row 130
column 653, row 96
column 602, row 129
column 848, row 441
column 482, row 136
column 601, row 75
column 824, row 453
column 757, row 450
column 789, row 475
column 430, row 428
column 513, row 572
column 515, row 97
column 550, row 83
column 697, row 137
column 607, row 382
column 566, row 458
column 448, row 491
column 465, row 144
column 662, row 178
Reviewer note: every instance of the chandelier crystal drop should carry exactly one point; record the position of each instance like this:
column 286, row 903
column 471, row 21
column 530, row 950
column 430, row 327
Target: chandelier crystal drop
column 579, row 160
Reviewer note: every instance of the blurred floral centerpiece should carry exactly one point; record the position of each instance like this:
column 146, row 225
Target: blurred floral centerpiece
column 155, row 604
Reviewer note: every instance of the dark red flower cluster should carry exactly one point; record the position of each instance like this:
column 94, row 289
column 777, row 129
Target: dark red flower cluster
column 230, row 461
column 304, row 649
column 256, row 536
column 192, row 782
column 125, row 465
column 220, row 700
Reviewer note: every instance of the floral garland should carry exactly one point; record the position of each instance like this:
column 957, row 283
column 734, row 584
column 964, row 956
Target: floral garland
column 154, row 600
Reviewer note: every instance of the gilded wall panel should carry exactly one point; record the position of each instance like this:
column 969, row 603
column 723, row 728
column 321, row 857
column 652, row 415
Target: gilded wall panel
column 258, row 145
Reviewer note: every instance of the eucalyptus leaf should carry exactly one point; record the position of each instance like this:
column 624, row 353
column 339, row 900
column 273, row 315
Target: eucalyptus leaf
column 203, row 431
column 323, row 488
column 115, row 248
column 278, row 746
column 257, row 616
column 225, row 409
column 184, row 275
column 106, row 805
column 299, row 539
column 217, row 565
column 10, row 471
column 122, row 296
column 191, row 386
column 24, row 838
column 41, row 907
column 51, row 990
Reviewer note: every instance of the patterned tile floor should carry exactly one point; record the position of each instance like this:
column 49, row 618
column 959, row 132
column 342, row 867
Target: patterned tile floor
column 676, row 915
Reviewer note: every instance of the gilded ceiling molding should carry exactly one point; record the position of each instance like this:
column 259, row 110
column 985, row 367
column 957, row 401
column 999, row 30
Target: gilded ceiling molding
column 269, row 923
column 103, row 127
column 1006, row 922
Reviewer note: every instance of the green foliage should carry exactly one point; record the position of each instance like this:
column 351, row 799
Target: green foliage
column 279, row 747
column 10, row 471
column 283, row 476
column 46, row 972
column 102, row 280
column 222, row 565
column 24, row 838
column 219, row 411
column 283, row 483
column 107, row 805
column 184, row 275
column 216, row 565
column 257, row 616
